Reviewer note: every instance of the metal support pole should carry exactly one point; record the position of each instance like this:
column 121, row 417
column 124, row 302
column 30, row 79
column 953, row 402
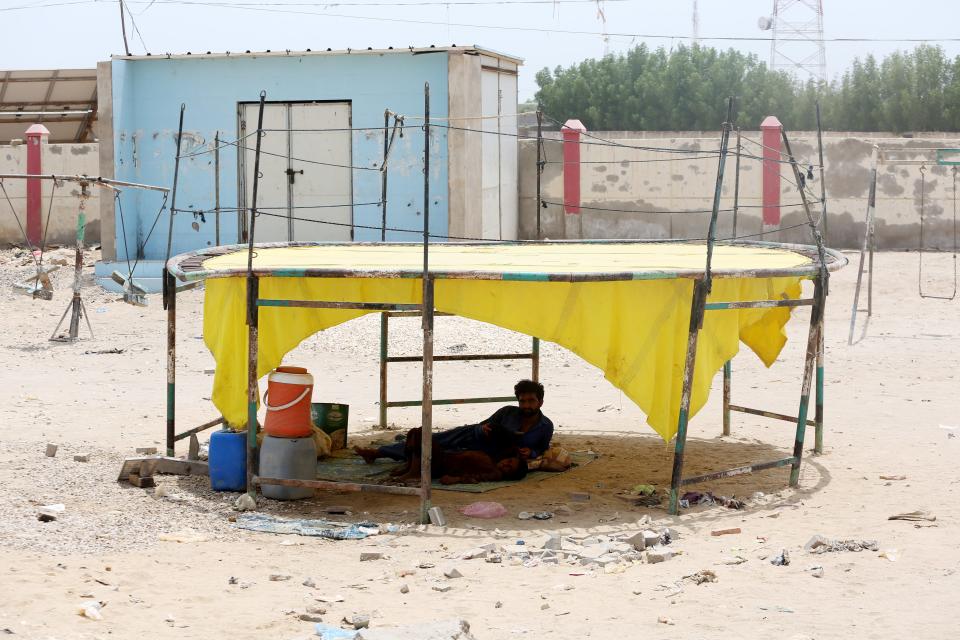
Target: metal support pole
column 867, row 244
column 539, row 203
column 696, row 319
column 171, row 361
column 535, row 360
column 813, row 347
column 736, row 193
column 727, row 371
column 426, row 451
column 76, row 308
column 701, row 289
column 383, row 188
column 823, row 184
column 818, row 417
column 216, row 186
column 384, row 354
column 253, row 317
column 173, row 196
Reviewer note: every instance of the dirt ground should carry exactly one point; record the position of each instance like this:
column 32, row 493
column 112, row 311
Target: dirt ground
column 892, row 409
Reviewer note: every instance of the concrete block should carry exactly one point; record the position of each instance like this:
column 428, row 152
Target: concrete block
column 51, row 450
column 141, row 481
column 82, row 457
column 146, row 451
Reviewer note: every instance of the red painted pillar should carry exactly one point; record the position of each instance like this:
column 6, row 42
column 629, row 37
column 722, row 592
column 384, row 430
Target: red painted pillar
column 571, row 165
column 35, row 141
column 770, row 128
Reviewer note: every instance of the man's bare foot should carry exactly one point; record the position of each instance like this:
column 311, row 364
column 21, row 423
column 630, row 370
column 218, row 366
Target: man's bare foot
column 368, row 454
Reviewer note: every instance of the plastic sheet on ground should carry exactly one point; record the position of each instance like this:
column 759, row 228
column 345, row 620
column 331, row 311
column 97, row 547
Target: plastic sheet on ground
column 305, row 527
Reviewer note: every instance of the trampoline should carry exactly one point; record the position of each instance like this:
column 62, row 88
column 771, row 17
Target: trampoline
column 623, row 306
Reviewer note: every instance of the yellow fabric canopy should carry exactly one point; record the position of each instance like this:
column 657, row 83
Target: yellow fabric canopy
column 634, row 330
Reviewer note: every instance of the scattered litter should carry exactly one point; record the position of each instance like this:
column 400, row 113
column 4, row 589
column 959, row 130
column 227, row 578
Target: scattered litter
column 404, row 588
column 701, row 577
column 816, row 571
column 606, row 407
column 100, row 352
column 329, row 632
column 426, row 565
column 915, row 516
column 279, row 577
column 782, row 559
column 542, row 515
column 524, row 515
column 91, row 609
column 893, row 477
column 643, row 489
column 81, row 457
column 665, row 620
column 777, row 608
column 306, row 527
column 370, row 556
column 436, row 517
column 890, row 554
column 820, row 544
column 50, row 512
column 484, row 510
column 707, row 498
column 442, row 588
column 245, row 502
column 725, row 532
column 51, row 450
column 733, row 560
column 329, row 599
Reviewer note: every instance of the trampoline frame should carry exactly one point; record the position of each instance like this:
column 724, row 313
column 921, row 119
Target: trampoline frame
column 189, row 267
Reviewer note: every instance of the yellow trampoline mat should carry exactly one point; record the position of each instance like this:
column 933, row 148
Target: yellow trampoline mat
column 560, row 258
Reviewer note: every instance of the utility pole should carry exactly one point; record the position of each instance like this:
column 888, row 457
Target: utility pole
column 123, row 29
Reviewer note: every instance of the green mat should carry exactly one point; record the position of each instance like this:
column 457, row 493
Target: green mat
column 352, row 468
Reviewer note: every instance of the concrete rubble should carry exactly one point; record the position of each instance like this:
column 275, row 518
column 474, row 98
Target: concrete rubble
column 611, row 553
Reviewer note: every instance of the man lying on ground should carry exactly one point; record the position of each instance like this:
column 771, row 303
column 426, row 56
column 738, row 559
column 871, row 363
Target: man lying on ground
column 526, row 420
column 465, row 467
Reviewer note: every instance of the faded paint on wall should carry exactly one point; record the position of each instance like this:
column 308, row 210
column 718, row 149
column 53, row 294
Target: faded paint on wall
column 62, row 159
column 663, row 196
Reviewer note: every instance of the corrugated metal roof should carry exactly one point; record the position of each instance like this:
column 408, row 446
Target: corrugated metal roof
column 472, row 48
column 63, row 100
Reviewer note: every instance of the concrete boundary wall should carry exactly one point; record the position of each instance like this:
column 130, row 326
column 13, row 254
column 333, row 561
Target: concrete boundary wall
column 652, row 189
column 64, row 159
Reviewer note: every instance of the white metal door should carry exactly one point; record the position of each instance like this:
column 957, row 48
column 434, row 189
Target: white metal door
column 305, row 176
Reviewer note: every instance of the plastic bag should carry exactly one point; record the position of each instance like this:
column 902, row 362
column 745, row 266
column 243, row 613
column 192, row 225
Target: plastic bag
column 484, row 510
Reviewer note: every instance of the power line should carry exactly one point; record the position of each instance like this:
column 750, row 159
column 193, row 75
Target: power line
column 260, row 7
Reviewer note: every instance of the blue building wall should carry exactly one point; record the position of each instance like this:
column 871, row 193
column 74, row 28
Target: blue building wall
column 147, row 95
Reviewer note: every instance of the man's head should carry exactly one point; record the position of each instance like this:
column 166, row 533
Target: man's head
column 513, row 468
column 529, row 396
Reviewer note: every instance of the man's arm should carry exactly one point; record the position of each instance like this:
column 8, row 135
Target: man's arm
column 487, row 425
column 543, row 437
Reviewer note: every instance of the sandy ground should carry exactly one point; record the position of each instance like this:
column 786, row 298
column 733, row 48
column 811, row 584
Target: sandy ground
column 888, row 397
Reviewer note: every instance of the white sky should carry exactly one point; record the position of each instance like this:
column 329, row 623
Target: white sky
column 79, row 35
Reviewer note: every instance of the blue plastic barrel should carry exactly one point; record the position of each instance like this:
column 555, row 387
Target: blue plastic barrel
column 228, row 461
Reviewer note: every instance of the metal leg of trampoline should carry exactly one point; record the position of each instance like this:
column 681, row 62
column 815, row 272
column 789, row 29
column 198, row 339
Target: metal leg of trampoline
column 727, row 371
column 696, row 316
column 253, row 391
column 818, row 418
column 171, row 362
column 813, row 343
